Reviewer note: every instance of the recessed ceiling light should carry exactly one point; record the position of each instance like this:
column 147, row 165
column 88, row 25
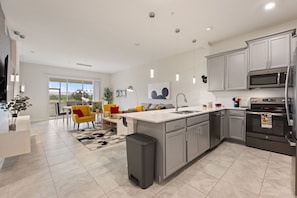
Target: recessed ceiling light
column 208, row 28
column 269, row 6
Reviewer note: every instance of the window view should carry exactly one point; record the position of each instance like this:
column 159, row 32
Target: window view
column 68, row 92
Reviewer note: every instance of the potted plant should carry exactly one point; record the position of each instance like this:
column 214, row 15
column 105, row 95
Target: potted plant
column 15, row 106
column 107, row 95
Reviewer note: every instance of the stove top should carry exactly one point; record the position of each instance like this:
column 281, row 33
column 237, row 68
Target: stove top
column 273, row 104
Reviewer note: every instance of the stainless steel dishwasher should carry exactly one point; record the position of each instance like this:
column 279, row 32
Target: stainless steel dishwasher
column 215, row 128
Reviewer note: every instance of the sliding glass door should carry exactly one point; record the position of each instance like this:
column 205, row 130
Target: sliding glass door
column 69, row 91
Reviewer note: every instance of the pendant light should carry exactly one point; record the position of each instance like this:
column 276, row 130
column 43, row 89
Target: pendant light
column 194, row 62
column 177, row 30
column 152, row 16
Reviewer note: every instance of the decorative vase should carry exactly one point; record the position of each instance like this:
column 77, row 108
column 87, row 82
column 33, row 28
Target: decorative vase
column 12, row 122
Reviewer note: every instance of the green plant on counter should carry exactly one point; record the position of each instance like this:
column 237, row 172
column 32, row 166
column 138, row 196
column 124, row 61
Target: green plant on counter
column 107, row 95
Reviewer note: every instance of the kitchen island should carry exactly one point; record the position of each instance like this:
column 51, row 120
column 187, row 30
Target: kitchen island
column 181, row 137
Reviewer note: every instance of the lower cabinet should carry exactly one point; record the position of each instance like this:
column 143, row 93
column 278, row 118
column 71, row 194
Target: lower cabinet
column 197, row 140
column 237, row 128
column 203, row 137
column 175, row 151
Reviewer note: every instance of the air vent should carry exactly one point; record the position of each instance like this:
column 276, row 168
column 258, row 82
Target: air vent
column 85, row 65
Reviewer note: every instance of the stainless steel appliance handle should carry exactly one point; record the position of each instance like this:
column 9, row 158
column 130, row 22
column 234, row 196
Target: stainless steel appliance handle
column 292, row 143
column 290, row 122
column 273, row 114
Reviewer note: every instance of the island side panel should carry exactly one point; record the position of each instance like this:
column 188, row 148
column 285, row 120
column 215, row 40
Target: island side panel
column 156, row 130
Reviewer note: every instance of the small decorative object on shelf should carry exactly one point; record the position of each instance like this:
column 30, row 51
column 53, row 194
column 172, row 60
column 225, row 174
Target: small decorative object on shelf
column 15, row 106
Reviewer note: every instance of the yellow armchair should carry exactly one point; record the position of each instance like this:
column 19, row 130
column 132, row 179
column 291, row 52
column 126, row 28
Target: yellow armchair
column 107, row 108
column 82, row 113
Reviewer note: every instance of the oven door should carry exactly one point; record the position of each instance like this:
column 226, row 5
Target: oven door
column 277, row 124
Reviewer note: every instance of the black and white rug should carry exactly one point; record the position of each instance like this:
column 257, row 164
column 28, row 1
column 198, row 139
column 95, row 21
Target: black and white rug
column 95, row 139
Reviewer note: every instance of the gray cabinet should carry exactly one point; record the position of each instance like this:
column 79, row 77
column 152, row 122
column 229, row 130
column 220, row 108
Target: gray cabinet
column 237, row 129
column 197, row 136
column 236, row 70
column 216, row 73
column 203, row 137
column 175, row 151
column 227, row 71
column 175, row 146
column 270, row 52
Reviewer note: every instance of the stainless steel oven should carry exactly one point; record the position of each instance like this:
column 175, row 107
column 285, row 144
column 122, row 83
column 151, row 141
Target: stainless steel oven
column 267, row 126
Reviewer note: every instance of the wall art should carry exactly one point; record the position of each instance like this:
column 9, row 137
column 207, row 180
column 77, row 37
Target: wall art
column 159, row 91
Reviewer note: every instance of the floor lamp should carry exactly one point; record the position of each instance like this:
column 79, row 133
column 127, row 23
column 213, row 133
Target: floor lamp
column 131, row 89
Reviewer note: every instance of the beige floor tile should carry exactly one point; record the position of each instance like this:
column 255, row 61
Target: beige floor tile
column 244, row 179
column 177, row 189
column 128, row 190
column 278, row 187
column 60, row 166
column 201, row 181
column 40, row 189
column 225, row 189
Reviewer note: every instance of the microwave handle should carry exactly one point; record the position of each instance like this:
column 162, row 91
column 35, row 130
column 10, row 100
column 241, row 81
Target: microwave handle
column 278, row 78
column 290, row 122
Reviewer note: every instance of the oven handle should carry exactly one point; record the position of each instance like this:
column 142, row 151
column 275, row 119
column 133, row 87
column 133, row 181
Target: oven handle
column 273, row 114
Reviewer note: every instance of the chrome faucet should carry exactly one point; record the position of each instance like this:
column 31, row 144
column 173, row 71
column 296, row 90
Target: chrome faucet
column 176, row 103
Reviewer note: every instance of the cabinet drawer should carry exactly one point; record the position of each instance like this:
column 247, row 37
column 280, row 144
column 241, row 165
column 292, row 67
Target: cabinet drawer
column 197, row 119
column 237, row 113
column 175, row 125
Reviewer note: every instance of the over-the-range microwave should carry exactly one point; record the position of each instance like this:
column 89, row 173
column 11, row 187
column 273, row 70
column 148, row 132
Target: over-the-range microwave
column 266, row 78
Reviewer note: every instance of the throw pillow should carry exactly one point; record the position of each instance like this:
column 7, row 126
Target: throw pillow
column 114, row 109
column 139, row 108
column 146, row 106
column 78, row 112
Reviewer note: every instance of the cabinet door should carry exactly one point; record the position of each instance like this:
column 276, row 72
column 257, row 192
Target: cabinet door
column 258, row 55
column 236, row 69
column 216, row 73
column 203, row 137
column 192, row 142
column 175, row 151
column 279, row 51
column 237, row 128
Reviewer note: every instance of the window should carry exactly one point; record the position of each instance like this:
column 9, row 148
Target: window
column 69, row 90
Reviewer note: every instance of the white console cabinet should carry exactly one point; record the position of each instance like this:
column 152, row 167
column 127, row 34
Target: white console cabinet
column 16, row 142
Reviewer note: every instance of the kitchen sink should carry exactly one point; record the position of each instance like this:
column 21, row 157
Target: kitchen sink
column 185, row 112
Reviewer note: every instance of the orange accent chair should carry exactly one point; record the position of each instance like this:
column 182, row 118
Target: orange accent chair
column 82, row 113
column 108, row 112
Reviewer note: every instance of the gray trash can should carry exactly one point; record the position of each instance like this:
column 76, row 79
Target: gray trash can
column 141, row 159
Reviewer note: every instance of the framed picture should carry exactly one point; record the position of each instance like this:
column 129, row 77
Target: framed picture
column 121, row 93
column 159, row 91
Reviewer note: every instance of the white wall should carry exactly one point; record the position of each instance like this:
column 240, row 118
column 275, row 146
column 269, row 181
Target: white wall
column 183, row 64
column 35, row 77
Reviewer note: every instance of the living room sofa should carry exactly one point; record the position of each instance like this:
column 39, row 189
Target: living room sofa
column 149, row 107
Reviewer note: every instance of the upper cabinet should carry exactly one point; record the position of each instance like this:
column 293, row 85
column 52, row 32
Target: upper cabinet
column 236, row 70
column 270, row 52
column 216, row 73
column 227, row 71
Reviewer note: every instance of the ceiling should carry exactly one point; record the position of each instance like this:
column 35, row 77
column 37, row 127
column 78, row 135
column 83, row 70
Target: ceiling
column 115, row 35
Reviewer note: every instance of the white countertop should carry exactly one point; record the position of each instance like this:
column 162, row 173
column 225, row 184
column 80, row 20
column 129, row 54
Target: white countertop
column 159, row 116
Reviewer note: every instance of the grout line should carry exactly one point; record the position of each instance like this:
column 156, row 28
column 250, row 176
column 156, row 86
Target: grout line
column 50, row 172
column 267, row 164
